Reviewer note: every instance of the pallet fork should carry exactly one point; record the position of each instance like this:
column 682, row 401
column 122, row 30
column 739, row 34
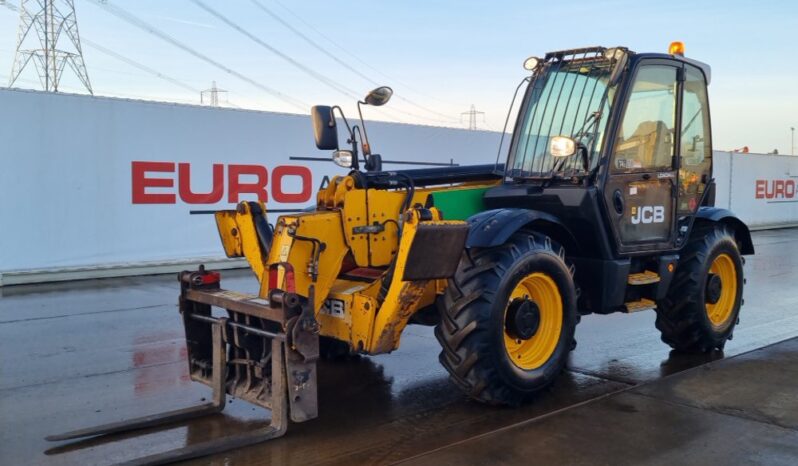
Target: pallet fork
column 264, row 352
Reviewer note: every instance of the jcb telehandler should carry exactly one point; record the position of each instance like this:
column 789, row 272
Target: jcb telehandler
column 604, row 204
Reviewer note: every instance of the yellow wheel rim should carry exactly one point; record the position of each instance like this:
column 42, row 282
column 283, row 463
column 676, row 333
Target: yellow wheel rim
column 720, row 312
column 532, row 353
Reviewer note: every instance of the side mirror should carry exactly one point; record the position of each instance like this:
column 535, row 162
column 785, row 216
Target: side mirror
column 379, row 96
column 621, row 57
column 324, row 128
column 562, row 146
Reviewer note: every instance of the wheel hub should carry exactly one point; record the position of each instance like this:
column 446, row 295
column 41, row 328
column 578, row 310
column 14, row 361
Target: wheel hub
column 714, row 288
column 523, row 319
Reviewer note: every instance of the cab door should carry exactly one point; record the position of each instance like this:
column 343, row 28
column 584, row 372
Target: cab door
column 641, row 184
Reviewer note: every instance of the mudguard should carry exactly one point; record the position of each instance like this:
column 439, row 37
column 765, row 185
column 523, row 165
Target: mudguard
column 741, row 231
column 493, row 227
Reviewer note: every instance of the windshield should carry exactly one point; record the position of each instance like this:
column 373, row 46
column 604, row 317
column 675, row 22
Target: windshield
column 567, row 98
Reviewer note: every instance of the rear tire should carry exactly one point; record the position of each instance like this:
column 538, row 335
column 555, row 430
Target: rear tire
column 710, row 269
column 490, row 359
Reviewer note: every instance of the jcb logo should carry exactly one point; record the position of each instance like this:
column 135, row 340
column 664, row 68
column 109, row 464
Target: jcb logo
column 648, row 214
column 334, row 307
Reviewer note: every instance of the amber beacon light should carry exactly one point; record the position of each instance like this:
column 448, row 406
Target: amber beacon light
column 676, row 48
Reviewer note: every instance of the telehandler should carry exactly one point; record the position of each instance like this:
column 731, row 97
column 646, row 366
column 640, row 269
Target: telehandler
column 604, row 204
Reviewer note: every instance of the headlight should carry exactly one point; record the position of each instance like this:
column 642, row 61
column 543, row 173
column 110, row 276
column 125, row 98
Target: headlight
column 562, row 146
column 343, row 158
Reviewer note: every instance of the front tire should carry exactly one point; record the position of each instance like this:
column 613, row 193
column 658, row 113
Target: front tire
column 508, row 319
column 703, row 302
column 331, row 349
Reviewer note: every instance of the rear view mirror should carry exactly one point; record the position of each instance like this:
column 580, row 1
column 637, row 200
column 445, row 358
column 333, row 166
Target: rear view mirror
column 324, row 128
column 379, row 96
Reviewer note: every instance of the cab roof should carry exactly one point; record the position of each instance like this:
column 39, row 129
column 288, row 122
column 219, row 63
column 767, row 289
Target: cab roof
column 595, row 51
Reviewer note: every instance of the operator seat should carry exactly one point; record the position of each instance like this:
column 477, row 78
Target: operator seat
column 652, row 145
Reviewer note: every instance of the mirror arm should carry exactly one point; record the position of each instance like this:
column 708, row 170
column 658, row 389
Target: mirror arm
column 353, row 141
column 351, row 131
column 343, row 117
column 582, row 149
column 365, row 139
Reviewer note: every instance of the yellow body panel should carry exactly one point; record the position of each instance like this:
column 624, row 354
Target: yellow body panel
column 238, row 235
column 384, row 207
column 347, row 310
column 404, row 298
column 355, row 214
column 288, row 246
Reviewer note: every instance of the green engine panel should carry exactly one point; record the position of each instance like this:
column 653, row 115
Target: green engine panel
column 459, row 204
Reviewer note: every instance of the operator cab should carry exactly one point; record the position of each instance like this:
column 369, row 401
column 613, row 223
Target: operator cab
column 615, row 144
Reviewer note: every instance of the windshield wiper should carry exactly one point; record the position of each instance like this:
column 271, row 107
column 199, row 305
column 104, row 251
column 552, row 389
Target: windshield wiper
column 585, row 130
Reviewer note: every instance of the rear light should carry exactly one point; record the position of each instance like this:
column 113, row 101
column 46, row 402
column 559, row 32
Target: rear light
column 210, row 278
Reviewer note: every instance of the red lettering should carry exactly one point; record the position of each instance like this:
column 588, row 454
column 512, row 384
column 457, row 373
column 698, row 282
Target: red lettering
column 241, row 180
column 760, row 189
column 190, row 197
column 236, row 187
column 789, row 189
column 140, row 182
column 778, row 191
column 769, row 193
column 291, row 170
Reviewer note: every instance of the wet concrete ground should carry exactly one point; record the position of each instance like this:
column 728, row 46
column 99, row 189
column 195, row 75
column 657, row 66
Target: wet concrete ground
column 77, row 354
column 738, row 410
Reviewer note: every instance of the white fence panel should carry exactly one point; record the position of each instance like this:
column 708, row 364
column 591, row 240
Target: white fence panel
column 762, row 191
column 92, row 186
column 94, row 183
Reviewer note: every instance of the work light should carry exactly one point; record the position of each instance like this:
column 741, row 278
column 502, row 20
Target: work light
column 343, row 158
column 562, row 146
column 531, row 63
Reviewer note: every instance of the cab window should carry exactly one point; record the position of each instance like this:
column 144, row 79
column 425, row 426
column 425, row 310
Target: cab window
column 645, row 139
column 696, row 146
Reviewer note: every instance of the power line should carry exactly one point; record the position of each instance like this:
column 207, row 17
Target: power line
column 354, row 56
column 310, row 41
column 320, row 77
column 8, row 5
column 140, row 66
column 346, row 65
column 124, row 59
column 332, row 84
column 141, row 24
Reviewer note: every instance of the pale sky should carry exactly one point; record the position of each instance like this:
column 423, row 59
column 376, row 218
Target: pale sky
column 440, row 56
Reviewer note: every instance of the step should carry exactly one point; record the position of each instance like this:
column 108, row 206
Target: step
column 643, row 278
column 642, row 305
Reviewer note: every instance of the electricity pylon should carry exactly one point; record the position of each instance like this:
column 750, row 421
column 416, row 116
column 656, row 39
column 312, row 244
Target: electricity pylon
column 48, row 37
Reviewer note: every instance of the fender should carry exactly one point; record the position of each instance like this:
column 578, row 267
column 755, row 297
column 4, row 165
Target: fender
column 741, row 231
column 493, row 227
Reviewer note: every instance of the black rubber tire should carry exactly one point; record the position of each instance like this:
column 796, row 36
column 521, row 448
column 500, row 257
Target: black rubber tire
column 681, row 317
column 331, row 349
column 471, row 331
